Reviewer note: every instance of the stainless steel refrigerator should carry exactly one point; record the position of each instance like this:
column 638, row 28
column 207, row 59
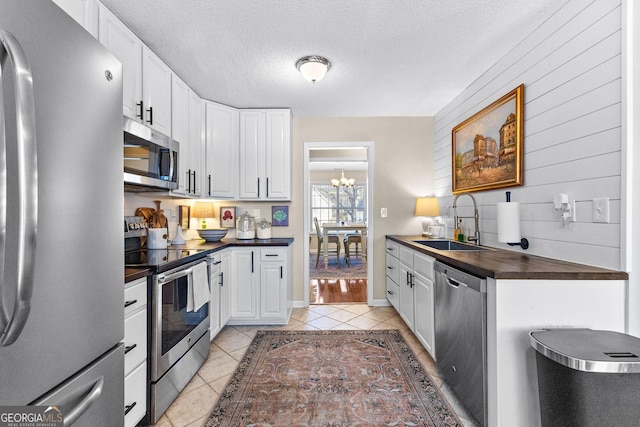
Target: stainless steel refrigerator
column 61, row 204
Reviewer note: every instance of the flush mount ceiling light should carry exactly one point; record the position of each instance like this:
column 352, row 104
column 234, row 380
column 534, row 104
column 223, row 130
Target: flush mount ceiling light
column 313, row 67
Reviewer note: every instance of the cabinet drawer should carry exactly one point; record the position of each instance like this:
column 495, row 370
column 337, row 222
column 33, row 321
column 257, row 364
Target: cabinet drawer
column 135, row 393
column 135, row 296
column 275, row 254
column 392, row 248
column 135, row 340
column 405, row 256
column 392, row 268
column 423, row 264
column 393, row 292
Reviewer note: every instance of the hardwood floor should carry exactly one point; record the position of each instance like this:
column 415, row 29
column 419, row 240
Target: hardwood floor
column 335, row 291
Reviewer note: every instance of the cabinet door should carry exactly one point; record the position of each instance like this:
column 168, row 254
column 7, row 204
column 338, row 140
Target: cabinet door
column 180, row 132
column 156, row 91
column 245, row 266
column 278, row 155
column 273, row 296
column 252, row 146
column 196, row 143
column 424, row 311
column 125, row 46
column 225, row 287
column 214, row 301
column 222, row 142
column 405, row 300
column 85, row 12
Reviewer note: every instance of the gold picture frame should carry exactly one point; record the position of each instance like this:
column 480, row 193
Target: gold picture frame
column 487, row 148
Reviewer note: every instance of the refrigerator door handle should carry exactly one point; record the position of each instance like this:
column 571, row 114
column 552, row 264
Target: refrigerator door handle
column 82, row 407
column 12, row 323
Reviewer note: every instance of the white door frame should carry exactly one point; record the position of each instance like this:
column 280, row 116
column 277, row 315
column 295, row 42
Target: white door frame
column 308, row 146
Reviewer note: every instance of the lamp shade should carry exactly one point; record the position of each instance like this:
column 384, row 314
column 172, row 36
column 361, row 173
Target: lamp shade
column 427, row 206
column 313, row 68
column 203, row 210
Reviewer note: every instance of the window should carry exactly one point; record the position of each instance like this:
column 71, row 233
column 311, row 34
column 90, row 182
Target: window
column 331, row 204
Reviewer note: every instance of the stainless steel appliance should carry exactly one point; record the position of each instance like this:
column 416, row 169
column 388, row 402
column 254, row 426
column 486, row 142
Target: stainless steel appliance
column 61, row 292
column 460, row 336
column 179, row 337
column 150, row 158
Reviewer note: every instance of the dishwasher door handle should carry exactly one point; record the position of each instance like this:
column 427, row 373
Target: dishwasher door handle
column 454, row 283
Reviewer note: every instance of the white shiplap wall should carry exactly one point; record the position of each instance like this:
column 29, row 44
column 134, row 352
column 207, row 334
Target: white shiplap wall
column 571, row 70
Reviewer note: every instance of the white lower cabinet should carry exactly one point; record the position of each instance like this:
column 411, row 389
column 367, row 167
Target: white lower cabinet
column 262, row 289
column 219, row 307
column 135, row 351
column 410, row 289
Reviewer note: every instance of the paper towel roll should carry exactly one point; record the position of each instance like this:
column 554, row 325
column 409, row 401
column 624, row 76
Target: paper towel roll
column 509, row 222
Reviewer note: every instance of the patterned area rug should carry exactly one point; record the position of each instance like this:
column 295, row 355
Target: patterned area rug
column 331, row 378
column 356, row 270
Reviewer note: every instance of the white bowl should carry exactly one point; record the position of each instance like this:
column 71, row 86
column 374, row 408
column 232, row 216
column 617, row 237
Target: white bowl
column 212, row 234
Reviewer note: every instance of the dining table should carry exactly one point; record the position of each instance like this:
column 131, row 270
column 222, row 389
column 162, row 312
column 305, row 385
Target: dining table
column 344, row 226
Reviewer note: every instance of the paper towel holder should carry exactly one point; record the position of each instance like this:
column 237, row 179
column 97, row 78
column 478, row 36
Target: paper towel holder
column 523, row 243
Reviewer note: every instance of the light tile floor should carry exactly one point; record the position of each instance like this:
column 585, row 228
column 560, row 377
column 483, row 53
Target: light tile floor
column 195, row 402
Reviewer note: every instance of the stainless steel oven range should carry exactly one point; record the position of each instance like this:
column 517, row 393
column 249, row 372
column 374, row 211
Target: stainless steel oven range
column 179, row 338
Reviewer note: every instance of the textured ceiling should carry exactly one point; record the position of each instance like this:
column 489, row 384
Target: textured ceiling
column 389, row 58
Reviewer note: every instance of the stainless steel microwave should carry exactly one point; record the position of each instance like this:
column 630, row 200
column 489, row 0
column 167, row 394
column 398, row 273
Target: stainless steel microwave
column 150, row 158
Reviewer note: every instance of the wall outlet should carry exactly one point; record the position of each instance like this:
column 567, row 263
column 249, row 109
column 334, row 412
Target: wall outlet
column 600, row 211
column 383, row 212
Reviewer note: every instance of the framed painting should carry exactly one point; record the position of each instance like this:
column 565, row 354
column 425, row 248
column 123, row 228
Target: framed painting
column 184, row 216
column 487, row 147
column 227, row 217
column 280, row 216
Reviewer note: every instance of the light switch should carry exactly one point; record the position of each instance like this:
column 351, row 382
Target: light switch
column 383, row 212
column 601, row 209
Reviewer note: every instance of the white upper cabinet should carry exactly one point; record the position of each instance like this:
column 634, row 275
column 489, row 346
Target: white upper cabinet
column 85, row 12
column 221, row 178
column 180, row 132
column 156, row 91
column 116, row 37
column 146, row 79
column 196, row 143
column 265, row 154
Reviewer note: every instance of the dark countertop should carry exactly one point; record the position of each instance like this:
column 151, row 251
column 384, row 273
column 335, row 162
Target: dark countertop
column 131, row 274
column 503, row 264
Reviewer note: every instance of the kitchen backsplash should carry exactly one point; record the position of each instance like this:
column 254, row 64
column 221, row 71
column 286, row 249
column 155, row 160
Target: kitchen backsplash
column 170, row 206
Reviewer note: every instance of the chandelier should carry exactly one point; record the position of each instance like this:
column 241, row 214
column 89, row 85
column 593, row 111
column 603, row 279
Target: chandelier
column 343, row 181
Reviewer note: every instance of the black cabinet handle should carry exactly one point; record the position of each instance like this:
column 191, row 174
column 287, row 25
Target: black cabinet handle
column 281, row 272
column 258, row 187
column 209, row 179
column 141, row 110
column 128, row 303
column 194, row 182
column 150, row 110
column 128, row 348
column 188, row 181
column 267, row 186
column 390, row 293
column 271, row 255
column 222, row 278
column 128, row 408
column 252, row 261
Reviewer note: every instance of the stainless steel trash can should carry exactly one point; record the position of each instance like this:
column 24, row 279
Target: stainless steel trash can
column 587, row 377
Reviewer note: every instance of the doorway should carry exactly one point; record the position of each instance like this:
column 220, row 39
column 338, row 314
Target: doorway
column 330, row 202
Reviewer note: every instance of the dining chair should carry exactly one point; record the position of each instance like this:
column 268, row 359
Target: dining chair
column 350, row 238
column 332, row 238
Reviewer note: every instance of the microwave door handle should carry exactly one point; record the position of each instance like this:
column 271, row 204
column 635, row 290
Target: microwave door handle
column 13, row 324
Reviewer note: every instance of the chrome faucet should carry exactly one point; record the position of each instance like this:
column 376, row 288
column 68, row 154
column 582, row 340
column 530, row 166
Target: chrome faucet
column 476, row 234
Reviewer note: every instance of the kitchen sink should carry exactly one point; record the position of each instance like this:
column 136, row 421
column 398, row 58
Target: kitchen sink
column 449, row 245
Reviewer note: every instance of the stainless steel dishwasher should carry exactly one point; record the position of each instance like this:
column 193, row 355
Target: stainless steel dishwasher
column 460, row 339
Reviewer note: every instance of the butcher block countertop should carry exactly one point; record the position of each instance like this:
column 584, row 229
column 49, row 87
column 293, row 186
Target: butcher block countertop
column 504, row 264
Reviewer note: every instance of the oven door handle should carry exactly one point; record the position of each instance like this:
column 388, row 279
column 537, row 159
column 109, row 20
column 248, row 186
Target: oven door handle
column 162, row 278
